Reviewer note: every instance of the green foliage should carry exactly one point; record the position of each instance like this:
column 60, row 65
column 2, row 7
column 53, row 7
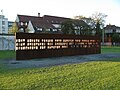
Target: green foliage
column 68, row 27
column 90, row 21
column 86, row 32
column 13, row 29
column 98, row 29
column 116, row 37
column 101, row 75
column 7, row 54
column 87, row 28
column 76, row 27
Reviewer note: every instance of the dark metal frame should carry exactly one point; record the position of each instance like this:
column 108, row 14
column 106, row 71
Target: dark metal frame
column 37, row 45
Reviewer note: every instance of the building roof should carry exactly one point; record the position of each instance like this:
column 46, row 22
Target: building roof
column 46, row 21
column 108, row 27
column 36, row 21
column 55, row 19
column 26, row 18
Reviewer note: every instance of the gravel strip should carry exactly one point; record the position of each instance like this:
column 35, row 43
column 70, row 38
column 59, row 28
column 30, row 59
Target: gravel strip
column 48, row 62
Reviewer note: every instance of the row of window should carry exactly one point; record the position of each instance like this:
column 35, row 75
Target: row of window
column 22, row 23
column 29, row 48
column 49, row 42
column 30, row 44
column 34, row 40
column 20, row 40
column 54, row 30
column 41, row 47
column 53, row 47
column 112, row 31
column 56, row 44
column 53, row 21
column 56, row 40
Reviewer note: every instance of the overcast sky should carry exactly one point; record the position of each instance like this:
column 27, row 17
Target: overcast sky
column 63, row 8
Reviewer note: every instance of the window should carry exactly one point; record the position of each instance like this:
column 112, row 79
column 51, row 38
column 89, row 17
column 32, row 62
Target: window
column 54, row 30
column 3, row 22
column 47, row 29
column 56, row 21
column 10, row 24
column 21, row 29
column 52, row 21
column 21, row 23
column 118, row 31
column 57, row 25
column 47, row 20
column 39, row 29
column 114, row 30
column 3, row 28
column 26, row 23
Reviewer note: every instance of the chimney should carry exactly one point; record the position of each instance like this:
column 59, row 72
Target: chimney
column 38, row 14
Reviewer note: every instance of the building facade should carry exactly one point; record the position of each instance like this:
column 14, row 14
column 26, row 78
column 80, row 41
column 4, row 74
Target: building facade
column 7, row 42
column 10, row 23
column 110, row 34
column 46, row 23
column 3, row 25
column 111, row 29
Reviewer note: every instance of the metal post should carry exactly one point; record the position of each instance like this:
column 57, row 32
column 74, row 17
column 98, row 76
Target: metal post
column 8, row 42
column 2, row 30
column 103, row 37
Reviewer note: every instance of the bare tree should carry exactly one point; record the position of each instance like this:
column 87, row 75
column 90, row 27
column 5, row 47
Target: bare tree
column 96, row 21
column 99, row 21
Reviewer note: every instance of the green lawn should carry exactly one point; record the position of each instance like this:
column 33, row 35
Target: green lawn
column 7, row 54
column 110, row 49
column 99, row 75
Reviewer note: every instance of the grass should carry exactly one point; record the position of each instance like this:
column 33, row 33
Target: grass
column 110, row 49
column 7, row 54
column 99, row 75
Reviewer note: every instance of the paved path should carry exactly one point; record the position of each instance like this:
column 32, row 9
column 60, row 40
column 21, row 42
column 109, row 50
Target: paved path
column 47, row 62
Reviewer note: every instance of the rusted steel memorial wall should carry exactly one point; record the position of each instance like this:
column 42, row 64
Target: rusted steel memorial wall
column 36, row 45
